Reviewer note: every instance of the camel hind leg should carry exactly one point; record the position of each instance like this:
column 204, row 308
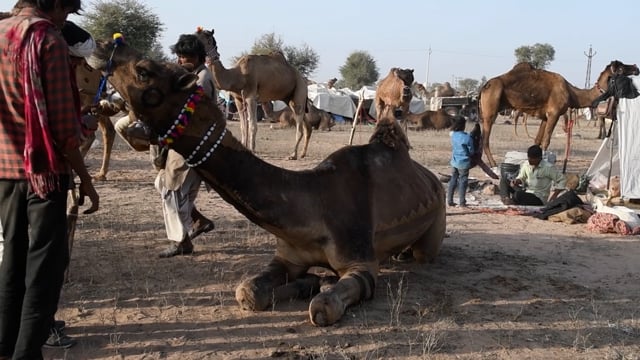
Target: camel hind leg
column 302, row 129
column 428, row 245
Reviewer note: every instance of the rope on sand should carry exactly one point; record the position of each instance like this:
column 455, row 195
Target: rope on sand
column 502, row 211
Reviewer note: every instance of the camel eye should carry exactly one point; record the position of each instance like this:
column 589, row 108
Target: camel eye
column 143, row 75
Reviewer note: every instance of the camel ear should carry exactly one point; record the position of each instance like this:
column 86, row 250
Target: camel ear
column 212, row 31
column 185, row 81
column 411, row 70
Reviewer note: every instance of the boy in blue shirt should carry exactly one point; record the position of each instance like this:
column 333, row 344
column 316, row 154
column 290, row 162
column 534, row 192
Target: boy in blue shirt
column 461, row 151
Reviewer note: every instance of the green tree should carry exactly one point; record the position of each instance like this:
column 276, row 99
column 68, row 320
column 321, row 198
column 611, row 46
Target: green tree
column 359, row 69
column 303, row 58
column 138, row 24
column 538, row 55
column 467, row 85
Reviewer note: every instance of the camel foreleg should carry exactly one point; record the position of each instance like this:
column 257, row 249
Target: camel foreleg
column 356, row 285
column 242, row 115
column 268, row 287
column 251, row 110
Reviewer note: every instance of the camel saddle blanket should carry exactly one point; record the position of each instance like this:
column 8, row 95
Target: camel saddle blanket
column 606, row 108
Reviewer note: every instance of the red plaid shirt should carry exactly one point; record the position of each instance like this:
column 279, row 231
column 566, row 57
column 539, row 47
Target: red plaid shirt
column 58, row 93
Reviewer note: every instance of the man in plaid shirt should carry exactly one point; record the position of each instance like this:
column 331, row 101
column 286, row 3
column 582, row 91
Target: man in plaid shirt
column 39, row 148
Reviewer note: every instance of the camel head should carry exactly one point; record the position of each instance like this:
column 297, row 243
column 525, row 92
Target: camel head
column 210, row 44
column 406, row 75
column 156, row 92
column 613, row 67
column 626, row 70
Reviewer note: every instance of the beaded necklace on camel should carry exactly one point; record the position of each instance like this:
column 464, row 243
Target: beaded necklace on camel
column 179, row 125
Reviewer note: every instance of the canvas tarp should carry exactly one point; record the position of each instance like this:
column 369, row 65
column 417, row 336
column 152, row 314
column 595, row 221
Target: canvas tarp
column 331, row 100
column 625, row 140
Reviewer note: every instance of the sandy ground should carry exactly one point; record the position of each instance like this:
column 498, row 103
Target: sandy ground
column 504, row 286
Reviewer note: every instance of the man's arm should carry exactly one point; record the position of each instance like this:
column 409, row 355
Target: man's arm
column 559, row 182
column 62, row 113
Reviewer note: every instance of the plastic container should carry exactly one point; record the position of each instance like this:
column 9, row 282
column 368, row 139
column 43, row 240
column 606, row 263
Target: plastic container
column 509, row 171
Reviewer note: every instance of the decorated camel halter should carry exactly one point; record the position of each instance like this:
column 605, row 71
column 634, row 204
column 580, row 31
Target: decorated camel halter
column 178, row 126
column 118, row 39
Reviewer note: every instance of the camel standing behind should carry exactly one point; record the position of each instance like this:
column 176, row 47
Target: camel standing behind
column 376, row 201
column 314, row 117
column 430, row 120
column 540, row 93
column 260, row 78
column 394, row 91
column 88, row 81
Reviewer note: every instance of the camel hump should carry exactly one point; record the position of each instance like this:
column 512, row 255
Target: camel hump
column 278, row 55
column 523, row 66
column 390, row 133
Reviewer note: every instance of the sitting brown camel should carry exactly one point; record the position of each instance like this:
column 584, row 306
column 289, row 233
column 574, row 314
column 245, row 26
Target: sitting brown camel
column 540, row 93
column 418, row 90
column 314, row 117
column 260, row 78
column 377, row 200
column 430, row 120
column 444, row 90
column 394, row 91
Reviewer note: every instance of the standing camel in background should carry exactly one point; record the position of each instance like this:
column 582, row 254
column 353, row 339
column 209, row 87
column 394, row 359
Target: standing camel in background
column 394, row 91
column 540, row 93
column 260, row 78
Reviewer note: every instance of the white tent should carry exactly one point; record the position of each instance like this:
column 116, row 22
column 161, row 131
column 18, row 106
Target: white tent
column 331, row 100
column 621, row 150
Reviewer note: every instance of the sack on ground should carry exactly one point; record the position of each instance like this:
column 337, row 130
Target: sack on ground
column 576, row 215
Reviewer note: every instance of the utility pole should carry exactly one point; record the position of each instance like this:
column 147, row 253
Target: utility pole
column 426, row 84
column 590, row 55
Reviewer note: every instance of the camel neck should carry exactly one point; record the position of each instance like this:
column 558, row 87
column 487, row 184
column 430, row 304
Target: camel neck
column 209, row 152
column 178, row 126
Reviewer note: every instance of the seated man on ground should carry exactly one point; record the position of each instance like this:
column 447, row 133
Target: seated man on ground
column 533, row 184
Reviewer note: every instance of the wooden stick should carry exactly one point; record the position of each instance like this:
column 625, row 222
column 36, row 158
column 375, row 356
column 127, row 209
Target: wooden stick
column 356, row 117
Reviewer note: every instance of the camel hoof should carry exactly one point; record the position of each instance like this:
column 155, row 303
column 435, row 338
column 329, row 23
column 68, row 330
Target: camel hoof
column 293, row 157
column 250, row 298
column 326, row 309
column 100, row 177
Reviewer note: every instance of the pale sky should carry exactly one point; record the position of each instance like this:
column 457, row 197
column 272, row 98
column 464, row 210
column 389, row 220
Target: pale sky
column 468, row 39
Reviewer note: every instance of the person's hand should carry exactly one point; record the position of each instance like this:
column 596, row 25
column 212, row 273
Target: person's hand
column 87, row 189
column 516, row 183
